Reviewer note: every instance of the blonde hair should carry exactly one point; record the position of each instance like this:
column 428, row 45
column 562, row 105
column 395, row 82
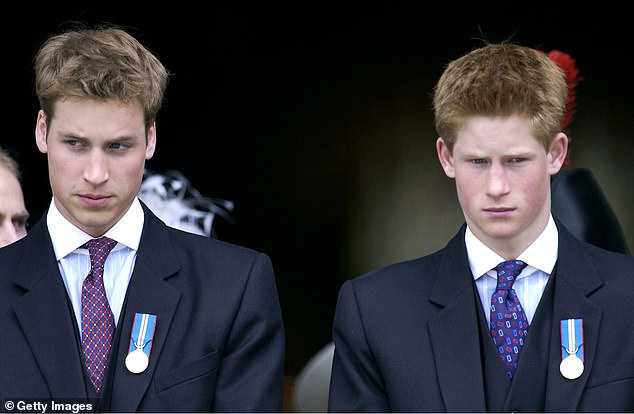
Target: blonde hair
column 501, row 80
column 104, row 63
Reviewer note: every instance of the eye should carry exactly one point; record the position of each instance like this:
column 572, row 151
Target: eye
column 20, row 223
column 72, row 142
column 119, row 146
column 478, row 161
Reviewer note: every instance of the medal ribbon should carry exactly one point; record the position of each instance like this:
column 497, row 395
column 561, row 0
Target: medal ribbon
column 572, row 338
column 143, row 327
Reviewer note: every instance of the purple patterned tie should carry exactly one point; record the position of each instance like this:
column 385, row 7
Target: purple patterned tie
column 508, row 320
column 97, row 321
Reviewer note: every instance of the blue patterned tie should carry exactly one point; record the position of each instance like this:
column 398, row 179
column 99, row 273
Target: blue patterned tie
column 508, row 320
column 97, row 321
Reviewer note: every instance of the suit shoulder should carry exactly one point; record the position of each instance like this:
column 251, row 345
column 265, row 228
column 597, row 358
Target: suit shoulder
column 191, row 239
column 607, row 258
column 182, row 240
column 399, row 274
column 196, row 248
column 612, row 267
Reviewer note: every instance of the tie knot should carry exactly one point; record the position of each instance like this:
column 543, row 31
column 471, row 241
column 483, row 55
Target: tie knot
column 99, row 249
column 508, row 271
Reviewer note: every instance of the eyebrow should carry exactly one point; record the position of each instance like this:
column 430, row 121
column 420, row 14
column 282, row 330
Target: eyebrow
column 23, row 215
column 122, row 138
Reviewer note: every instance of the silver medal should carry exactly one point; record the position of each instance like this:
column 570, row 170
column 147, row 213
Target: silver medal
column 571, row 367
column 136, row 361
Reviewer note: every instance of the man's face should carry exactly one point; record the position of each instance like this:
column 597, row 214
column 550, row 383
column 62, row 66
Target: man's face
column 502, row 175
column 13, row 214
column 96, row 157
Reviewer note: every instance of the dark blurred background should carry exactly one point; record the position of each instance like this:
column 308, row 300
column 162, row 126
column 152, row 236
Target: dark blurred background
column 315, row 120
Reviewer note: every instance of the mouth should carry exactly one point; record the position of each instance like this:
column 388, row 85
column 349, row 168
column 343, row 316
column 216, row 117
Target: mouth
column 94, row 200
column 499, row 211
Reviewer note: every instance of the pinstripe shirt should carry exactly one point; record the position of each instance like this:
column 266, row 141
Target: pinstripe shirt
column 74, row 262
column 530, row 284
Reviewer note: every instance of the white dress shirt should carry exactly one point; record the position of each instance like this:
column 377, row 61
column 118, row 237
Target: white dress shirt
column 540, row 257
column 74, row 262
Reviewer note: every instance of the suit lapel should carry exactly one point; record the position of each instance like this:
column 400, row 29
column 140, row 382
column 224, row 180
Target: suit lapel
column 576, row 278
column 148, row 292
column 454, row 332
column 46, row 319
column 455, row 338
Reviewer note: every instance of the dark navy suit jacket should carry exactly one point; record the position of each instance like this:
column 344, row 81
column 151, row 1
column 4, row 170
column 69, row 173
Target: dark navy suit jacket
column 219, row 339
column 408, row 338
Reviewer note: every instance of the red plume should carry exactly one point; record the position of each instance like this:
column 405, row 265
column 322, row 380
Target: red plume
column 568, row 65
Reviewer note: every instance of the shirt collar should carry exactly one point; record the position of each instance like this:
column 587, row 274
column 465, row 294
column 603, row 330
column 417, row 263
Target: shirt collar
column 541, row 254
column 66, row 237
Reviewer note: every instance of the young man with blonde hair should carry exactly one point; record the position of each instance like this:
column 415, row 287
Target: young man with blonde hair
column 102, row 302
column 514, row 314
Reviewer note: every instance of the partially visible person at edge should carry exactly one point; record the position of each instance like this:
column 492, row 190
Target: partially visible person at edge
column 13, row 212
column 198, row 321
column 551, row 330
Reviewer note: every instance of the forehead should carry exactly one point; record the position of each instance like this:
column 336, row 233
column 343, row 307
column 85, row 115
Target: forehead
column 98, row 118
column 494, row 123
column 495, row 132
column 77, row 108
column 10, row 189
column 7, row 178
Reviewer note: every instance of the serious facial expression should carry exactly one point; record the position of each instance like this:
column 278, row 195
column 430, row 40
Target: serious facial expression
column 96, row 157
column 502, row 175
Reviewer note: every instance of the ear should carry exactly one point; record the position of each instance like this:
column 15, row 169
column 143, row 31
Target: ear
column 151, row 142
column 446, row 158
column 40, row 132
column 557, row 153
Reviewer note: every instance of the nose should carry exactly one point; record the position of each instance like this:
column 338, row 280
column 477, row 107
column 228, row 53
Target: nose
column 96, row 170
column 497, row 181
